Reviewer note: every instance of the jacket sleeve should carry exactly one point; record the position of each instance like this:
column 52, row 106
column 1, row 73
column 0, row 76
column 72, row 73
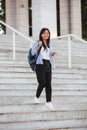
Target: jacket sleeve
column 33, row 50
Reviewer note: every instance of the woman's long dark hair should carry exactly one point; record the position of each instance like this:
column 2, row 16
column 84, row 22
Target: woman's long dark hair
column 41, row 39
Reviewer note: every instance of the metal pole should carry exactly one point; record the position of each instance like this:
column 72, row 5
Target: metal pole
column 69, row 52
column 14, row 45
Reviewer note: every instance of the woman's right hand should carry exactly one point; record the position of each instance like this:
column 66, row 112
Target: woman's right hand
column 39, row 45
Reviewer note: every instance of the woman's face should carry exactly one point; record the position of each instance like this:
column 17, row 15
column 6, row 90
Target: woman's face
column 45, row 35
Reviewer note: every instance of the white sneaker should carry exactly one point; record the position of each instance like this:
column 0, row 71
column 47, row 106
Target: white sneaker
column 50, row 106
column 36, row 100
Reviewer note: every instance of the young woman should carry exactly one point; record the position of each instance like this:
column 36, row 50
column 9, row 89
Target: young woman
column 43, row 66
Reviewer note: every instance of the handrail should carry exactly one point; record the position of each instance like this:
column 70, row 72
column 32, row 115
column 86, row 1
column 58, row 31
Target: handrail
column 69, row 36
column 80, row 39
column 19, row 33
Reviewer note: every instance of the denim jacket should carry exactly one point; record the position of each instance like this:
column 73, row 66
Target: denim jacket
column 39, row 59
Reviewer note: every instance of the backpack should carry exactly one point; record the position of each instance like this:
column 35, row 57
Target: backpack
column 32, row 60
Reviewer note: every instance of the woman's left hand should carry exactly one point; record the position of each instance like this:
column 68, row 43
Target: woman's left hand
column 53, row 53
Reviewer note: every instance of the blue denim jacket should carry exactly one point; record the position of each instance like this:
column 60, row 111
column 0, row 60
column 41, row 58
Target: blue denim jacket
column 39, row 59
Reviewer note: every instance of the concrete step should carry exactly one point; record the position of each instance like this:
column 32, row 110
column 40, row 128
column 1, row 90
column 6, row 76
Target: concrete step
column 59, row 99
column 20, row 50
column 27, row 69
column 4, row 54
column 55, row 42
column 18, row 43
column 46, row 125
column 42, row 107
column 28, row 80
column 75, row 128
column 9, row 38
column 10, row 51
column 60, row 50
column 33, row 86
column 60, row 61
column 32, row 92
column 45, row 115
column 59, row 65
column 59, row 58
column 33, row 75
column 24, row 62
column 9, row 48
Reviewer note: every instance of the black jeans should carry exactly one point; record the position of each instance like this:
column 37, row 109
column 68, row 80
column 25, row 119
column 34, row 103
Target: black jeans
column 43, row 73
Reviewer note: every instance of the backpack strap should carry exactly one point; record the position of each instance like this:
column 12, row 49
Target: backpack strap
column 39, row 52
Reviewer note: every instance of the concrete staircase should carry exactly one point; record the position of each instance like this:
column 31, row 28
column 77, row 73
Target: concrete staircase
column 18, row 87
